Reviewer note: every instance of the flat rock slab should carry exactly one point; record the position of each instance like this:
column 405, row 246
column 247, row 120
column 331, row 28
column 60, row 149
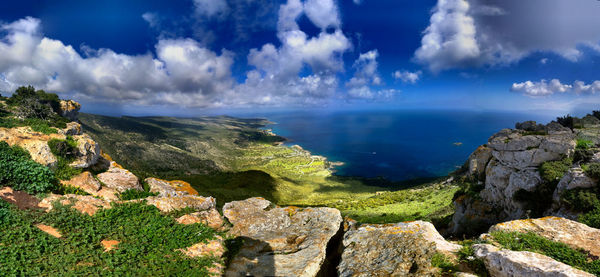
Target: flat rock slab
column 83, row 203
column 280, row 241
column 210, row 218
column 85, row 181
column 49, row 230
column 402, row 249
column 20, row 199
column 170, row 188
column 109, row 244
column 169, row 204
column 119, row 178
column 507, row 263
column 572, row 233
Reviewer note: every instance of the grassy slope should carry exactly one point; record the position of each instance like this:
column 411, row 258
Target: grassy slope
column 231, row 159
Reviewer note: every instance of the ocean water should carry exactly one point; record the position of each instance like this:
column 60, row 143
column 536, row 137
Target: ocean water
column 397, row 145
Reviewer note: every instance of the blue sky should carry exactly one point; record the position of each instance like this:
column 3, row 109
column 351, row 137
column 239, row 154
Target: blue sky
column 207, row 56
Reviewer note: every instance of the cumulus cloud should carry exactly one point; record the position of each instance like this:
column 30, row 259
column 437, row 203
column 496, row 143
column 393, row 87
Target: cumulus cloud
column 407, row 76
column 366, row 78
column 545, row 88
column 183, row 72
column 465, row 33
column 210, row 8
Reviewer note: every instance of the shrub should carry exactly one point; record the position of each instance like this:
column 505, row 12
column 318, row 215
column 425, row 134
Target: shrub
column 66, row 148
column 596, row 114
column 583, row 155
column 566, row 121
column 20, row 172
column 552, row 172
column 131, row 194
column 584, row 144
column 580, row 200
column 593, row 171
column 592, row 218
column 442, row 262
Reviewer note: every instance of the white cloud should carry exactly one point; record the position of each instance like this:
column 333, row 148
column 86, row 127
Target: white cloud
column 323, row 13
column 210, row 8
column 407, row 76
column 544, row 88
column 544, row 60
column 466, row 33
column 366, row 78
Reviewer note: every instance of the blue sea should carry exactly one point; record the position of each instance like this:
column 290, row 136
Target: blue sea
column 397, row 145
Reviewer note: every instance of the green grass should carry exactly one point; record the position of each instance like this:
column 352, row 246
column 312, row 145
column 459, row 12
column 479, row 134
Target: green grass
column 148, row 243
column 584, row 144
column 559, row 251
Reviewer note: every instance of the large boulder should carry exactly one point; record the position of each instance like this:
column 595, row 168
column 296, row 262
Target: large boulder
column 479, row 160
column 573, row 179
column 88, row 151
column 119, row 179
column 507, row 263
column 69, row 109
column 174, row 203
column 85, row 181
column 170, row 188
column 402, row 249
column 572, row 233
column 35, row 143
column 280, row 241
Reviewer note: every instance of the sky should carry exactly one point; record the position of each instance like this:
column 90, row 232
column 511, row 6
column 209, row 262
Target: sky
column 192, row 57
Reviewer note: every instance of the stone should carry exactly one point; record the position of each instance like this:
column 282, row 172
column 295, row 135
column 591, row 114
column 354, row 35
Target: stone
column 402, row 249
column 212, row 248
column 83, row 203
column 118, row 178
column 88, row 151
column 69, row 109
column 574, row 178
column 108, row 194
column 170, row 188
column 210, row 218
column 473, row 216
column 21, row 199
column 590, row 121
column 85, row 181
column 479, row 160
column 49, row 230
column 572, row 233
column 530, row 126
column 507, row 263
column 109, row 244
column 35, row 143
column 280, row 241
column 72, row 129
column 169, row 204
column 554, row 128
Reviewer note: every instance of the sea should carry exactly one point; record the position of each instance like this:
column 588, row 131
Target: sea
column 396, row 145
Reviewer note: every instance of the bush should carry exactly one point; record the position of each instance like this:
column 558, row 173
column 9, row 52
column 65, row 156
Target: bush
column 442, row 262
column 566, row 121
column 20, row 172
column 132, row 194
column 580, row 200
column 583, row 155
column 593, row 170
column 592, row 218
column 552, row 172
column 584, row 144
column 65, row 151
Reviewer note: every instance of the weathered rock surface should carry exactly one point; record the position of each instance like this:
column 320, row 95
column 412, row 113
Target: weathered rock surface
column 35, row 143
column 212, row 248
column 211, row 218
column 506, row 263
column 85, row 181
column 170, row 188
column 479, row 160
column 280, row 241
column 49, row 230
column 169, row 204
column 72, row 129
column 69, row 109
column 574, row 178
column 572, row 233
column 83, row 203
column 473, row 216
column 109, row 244
column 88, row 151
column 118, row 178
column 402, row 249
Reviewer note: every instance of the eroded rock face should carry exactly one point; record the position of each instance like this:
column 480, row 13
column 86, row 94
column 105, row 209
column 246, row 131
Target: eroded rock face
column 35, row 143
column 211, row 218
column 69, row 109
column 119, row 179
column 85, row 181
column 169, row 204
column 72, row 129
column 212, row 248
column 506, row 263
column 280, row 241
column 88, row 151
column 170, row 188
column 479, row 160
column 83, row 203
column 403, row 249
column 572, row 233
column 573, row 179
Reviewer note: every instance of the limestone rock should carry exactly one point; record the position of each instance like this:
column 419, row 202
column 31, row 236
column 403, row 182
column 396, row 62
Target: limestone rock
column 49, row 230
column 20, row 199
column 590, row 121
column 118, row 178
column 83, row 203
column 280, row 241
column 473, row 216
column 88, row 151
column 72, row 129
column 109, row 244
column 169, row 204
column 170, row 188
column 69, row 109
column 479, row 160
column 211, row 218
column 35, row 143
column 84, row 181
column 574, row 178
column 212, row 248
column 506, row 263
column 403, row 249
column 531, row 126
column 572, row 233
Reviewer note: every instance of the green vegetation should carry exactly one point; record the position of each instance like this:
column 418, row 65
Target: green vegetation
column 148, row 243
column 552, row 172
column 232, row 159
column 592, row 170
column 584, row 144
column 583, row 152
column 559, row 251
column 131, row 194
column 592, row 218
column 445, row 264
column 20, row 172
column 466, row 255
column 64, row 151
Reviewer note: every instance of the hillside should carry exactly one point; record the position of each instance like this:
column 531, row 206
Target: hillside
column 233, row 159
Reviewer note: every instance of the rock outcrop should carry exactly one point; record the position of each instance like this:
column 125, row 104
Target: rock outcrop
column 402, row 249
column 83, row 203
column 69, row 109
column 35, row 143
column 170, row 188
column 280, row 241
column 174, row 203
column 212, row 218
column 88, row 151
column 572, row 233
column 84, row 181
column 119, row 179
column 507, row 263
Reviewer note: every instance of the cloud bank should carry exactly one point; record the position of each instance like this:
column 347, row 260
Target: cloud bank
column 466, row 33
column 545, row 88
